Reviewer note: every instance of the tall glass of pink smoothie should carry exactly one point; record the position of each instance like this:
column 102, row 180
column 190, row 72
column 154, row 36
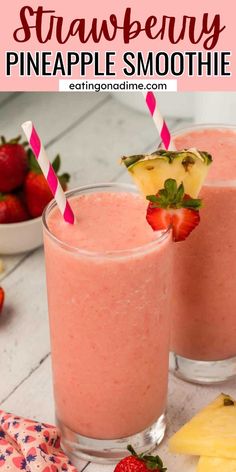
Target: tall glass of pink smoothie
column 204, row 300
column 109, row 283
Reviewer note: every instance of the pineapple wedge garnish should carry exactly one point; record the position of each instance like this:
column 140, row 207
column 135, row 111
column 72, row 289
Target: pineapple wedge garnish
column 216, row 464
column 211, row 432
column 151, row 171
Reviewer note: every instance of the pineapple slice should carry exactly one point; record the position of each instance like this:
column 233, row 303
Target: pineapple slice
column 150, row 171
column 212, row 432
column 215, row 464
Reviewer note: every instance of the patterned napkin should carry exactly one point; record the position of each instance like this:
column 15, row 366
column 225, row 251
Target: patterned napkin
column 30, row 446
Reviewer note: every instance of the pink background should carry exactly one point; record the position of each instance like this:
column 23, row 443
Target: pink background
column 89, row 9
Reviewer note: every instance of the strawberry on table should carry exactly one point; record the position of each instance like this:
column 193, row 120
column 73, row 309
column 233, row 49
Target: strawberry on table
column 2, row 296
column 140, row 463
column 37, row 193
column 172, row 207
column 12, row 209
column 13, row 164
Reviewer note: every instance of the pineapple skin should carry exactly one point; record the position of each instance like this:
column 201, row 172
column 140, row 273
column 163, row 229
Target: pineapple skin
column 215, row 464
column 211, row 432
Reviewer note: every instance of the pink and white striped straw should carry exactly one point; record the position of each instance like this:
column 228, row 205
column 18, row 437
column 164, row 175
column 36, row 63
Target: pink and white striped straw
column 160, row 123
column 48, row 171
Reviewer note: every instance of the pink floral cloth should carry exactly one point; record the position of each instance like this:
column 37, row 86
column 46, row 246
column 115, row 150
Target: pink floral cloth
column 30, row 446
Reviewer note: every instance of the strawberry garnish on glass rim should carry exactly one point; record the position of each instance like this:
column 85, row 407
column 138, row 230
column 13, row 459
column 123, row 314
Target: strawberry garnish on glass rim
column 140, row 462
column 172, row 207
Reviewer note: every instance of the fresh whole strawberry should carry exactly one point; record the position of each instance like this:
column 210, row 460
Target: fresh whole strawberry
column 12, row 210
column 37, row 193
column 13, row 164
column 172, row 207
column 2, row 297
column 140, row 463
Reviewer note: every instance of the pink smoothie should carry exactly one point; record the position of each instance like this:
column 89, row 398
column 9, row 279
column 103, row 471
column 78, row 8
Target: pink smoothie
column 204, row 301
column 109, row 316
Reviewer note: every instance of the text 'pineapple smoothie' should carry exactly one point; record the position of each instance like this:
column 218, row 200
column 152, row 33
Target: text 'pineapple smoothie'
column 204, row 301
column 109, row 314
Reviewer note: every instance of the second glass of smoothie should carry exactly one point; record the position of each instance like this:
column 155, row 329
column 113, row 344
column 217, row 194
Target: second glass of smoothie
column 204, row 294
column 109, row 283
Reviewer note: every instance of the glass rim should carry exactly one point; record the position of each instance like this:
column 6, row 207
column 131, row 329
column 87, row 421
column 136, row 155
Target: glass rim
column 147, row 247
column 218, row 126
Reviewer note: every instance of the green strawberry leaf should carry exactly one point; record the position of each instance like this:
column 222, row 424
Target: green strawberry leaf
column 164, row 193
column 172, row 196
column 56, row 164
column 170, row 186
column 131, row 450
column 180, row 193
column 152, row 198
column 151, row 462
column 154, row 462
column 15, row 140
column 32, row 162
column 64, row 179
column 194, row 203
column 34, row 167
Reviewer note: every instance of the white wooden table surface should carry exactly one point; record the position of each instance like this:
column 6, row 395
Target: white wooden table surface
column 91, row 131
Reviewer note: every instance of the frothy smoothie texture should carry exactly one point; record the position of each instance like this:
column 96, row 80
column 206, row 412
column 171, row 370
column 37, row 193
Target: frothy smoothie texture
column 204, row 298
column 109, row 315
column 109, row 279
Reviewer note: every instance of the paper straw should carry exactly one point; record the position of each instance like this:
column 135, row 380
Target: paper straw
column 160, row 123
column 48, row 171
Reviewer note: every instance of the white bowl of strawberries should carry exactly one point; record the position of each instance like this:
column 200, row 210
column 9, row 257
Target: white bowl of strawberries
column 24, row 193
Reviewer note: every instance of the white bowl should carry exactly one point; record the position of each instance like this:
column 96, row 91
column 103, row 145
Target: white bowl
column 21, row 237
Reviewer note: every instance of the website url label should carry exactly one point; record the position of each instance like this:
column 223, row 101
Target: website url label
column 117, row 85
